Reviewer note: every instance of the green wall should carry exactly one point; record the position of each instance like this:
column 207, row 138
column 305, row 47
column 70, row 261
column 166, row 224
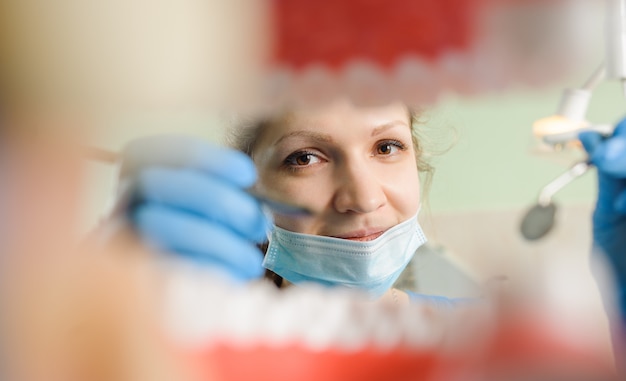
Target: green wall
column 494, row 163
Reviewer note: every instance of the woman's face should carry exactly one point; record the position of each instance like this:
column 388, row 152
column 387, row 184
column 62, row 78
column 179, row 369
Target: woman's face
column 353, row 167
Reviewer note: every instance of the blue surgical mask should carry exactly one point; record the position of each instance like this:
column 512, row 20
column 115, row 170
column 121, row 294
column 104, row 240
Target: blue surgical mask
column 371, row 266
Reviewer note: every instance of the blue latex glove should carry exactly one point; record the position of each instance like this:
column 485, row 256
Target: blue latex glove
column 609, row 218
column 187, row 197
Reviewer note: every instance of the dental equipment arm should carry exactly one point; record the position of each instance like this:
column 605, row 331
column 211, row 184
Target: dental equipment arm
column 539, row 219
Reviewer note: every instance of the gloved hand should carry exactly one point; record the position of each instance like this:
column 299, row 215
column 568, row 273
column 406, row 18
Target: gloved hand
column 187, row 197
column 609, row 218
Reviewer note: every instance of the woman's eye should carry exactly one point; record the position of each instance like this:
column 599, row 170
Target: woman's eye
column 389, row 148
column 301, row 159
column 385, row 149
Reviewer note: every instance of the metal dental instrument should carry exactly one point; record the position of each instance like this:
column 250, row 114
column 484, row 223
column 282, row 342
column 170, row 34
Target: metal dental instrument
column 274, row 205
column 540, row 218
column 279, row 207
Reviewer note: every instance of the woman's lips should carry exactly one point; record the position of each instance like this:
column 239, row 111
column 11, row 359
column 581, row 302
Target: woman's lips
column 362, row 235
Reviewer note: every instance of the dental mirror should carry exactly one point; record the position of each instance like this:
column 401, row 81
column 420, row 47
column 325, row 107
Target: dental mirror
column 539, row 219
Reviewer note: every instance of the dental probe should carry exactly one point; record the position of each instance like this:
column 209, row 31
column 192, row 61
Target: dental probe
column 540, row 218
column 274, row 205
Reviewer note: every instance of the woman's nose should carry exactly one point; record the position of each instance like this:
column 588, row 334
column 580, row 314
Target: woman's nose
column 358, row 191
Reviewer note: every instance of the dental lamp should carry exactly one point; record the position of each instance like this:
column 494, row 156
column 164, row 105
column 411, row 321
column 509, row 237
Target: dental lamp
column 564, row 126
column 562, row 129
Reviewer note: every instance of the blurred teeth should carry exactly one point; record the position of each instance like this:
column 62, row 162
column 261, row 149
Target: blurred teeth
column 201, row 312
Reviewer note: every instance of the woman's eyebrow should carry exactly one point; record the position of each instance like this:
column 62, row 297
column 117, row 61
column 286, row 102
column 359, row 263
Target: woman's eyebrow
column 306, row 134
column 380, row 129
